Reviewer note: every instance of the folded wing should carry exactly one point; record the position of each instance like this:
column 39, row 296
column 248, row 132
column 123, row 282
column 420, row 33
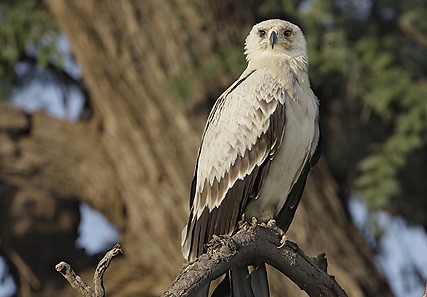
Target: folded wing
column 242, row 135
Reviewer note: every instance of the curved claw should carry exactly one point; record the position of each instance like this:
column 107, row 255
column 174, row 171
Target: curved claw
column 283, row 240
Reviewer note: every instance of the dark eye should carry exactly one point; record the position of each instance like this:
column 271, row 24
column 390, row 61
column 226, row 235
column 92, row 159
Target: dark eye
column 261, row 33
column 287, row 33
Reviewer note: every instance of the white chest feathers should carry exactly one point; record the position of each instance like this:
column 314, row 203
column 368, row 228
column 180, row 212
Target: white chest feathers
column 299, row 141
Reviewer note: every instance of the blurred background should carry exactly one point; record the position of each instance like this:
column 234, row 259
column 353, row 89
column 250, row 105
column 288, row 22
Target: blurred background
column 102, row 105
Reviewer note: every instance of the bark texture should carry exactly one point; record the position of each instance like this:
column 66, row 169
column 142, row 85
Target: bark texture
column 133, row 159
column 260, row 243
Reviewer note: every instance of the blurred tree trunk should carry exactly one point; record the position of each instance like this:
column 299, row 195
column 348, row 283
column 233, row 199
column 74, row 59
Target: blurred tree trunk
column 133, row 159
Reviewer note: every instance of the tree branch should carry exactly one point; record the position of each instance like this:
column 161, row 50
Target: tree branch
column 98, row 279
column 250, row 245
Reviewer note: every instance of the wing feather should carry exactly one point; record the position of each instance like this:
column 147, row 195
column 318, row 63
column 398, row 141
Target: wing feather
column 243, row 132
column 287, row 213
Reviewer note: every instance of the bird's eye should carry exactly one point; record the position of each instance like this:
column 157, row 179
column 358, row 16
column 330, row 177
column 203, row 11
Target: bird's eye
column 287, row 33
column 261, row 33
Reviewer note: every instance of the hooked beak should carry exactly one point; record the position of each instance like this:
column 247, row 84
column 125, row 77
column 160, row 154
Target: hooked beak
column 273, row 38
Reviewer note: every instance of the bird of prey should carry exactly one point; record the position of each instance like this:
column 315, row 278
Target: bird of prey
column 259, row 143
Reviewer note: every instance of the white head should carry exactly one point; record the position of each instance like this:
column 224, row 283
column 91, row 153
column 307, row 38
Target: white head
column 275, row 37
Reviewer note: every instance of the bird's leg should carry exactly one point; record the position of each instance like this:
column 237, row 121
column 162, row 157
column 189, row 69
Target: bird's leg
column 271, row 224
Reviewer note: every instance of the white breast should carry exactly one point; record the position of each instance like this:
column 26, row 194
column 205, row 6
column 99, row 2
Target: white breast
column 295, row 151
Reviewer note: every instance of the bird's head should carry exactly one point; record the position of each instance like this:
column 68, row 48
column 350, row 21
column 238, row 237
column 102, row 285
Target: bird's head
column 275, row 37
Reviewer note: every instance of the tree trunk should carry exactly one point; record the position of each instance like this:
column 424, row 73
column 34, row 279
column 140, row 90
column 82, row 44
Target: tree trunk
column 133, row 159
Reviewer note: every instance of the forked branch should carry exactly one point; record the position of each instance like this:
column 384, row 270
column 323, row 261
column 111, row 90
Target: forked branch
column 98, row 279
column 252, row 243
column 260, row 243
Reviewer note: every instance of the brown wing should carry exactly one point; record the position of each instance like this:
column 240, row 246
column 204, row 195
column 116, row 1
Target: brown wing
column 244, row 131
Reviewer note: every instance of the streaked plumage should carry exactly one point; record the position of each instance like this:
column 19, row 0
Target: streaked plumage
column 259, row 141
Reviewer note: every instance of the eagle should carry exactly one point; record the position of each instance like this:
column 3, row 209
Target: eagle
column 260, row 141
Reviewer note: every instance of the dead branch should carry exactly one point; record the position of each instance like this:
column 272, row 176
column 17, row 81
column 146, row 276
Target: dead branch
column 98, row 279
column 250, row 245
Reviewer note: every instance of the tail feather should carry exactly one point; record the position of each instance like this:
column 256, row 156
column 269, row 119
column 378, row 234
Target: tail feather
column 203, row 292
column 241, row 283
column 259, row 281
column 223, row 289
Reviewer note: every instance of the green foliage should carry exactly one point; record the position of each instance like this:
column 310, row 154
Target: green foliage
column 378, row 180
column 233, row 59
column 25, row 27
column 384, row 70
column 181, row 86
column 371, row 57
column 229, row 60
